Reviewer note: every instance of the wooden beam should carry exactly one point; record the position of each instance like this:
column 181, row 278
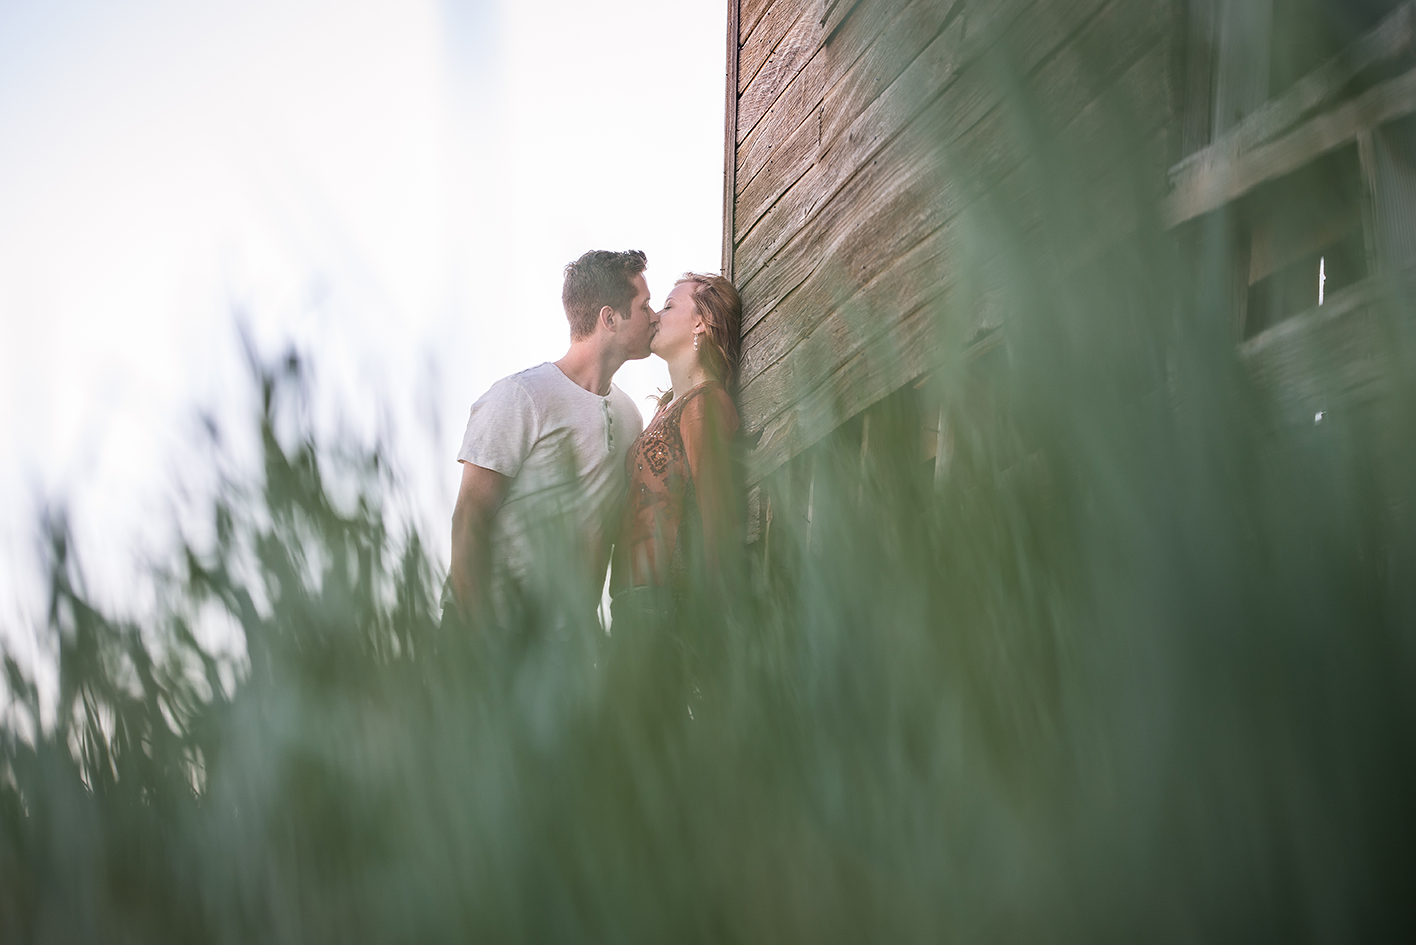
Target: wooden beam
column 730, row 138
column 1341, row 303
column 1326, row 358
column 1392, row 38
column 1209, row 187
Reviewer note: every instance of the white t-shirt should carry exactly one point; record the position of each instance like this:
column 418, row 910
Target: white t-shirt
column 563, row 448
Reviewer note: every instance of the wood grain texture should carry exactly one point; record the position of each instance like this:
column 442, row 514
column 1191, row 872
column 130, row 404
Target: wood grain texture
column 752, row 12
column 757, row 48
column 776, row 204
column 911, row 279
column 1106, row 214
column 803, row 38
column 806, row 91
column 871, row 374
column 844, row 277
column 890, row 213
column 980, row 157
column 1210, row 186
column 1047, row 24
column 875, row 75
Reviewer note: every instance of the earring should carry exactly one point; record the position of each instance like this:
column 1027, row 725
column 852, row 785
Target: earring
column 696, row 336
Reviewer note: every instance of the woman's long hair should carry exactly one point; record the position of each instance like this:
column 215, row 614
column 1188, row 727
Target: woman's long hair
column 720, row 346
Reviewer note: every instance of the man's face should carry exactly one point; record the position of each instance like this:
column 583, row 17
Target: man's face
column 637, row 328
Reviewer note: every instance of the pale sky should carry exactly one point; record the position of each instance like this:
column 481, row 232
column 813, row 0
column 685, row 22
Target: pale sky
column 393, row 185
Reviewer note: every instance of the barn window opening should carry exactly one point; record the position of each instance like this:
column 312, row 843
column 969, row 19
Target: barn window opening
column 1241, row 53
column 1306, row 240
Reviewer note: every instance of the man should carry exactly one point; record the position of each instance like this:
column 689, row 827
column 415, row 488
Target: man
column 543, row 477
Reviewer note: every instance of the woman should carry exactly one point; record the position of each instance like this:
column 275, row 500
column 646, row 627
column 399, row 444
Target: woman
column 681, row 518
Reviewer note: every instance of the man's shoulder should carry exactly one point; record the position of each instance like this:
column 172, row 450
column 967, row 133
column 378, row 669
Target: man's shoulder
column 531, row 379
column 532, row 384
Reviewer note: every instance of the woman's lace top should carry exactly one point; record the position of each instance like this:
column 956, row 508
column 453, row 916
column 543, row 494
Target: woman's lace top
column 682, row 503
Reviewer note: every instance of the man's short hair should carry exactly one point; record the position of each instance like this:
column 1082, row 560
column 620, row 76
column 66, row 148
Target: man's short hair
column 597, row 279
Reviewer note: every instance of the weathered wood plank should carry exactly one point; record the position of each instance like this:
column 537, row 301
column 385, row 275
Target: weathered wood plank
column 832, row 338
column 941, row 320
column 799, row 101
column 1327, row 357
column 1103, row 216
column 909, row 349
column 1276, row 245
column 757, row 49
column 1209, row 187
column 1082, row 115
column 908, row 39
column 908, row 159
column 893, row 74
column 1086, row 68
column 964, row 103
column 895, row 211
column 822, row 167
column 920, row 273
column 751, row 13
column 852, row 342
column 1393, row 37
column 730, row 137
column 835, row 14
column 1130, row 107
column 803, row 39
column 1058, row 96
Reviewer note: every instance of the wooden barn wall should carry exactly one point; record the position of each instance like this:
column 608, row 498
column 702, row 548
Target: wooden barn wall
column 843, row 231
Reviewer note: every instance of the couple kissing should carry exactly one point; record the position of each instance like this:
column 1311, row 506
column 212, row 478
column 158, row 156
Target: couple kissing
column 558, row 469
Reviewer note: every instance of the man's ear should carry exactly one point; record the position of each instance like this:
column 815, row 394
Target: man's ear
column 607, row 317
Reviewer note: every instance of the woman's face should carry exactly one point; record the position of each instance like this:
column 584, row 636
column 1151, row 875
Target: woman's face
column 678, row 321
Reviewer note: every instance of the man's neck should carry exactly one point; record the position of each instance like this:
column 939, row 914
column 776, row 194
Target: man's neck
column 590, row 365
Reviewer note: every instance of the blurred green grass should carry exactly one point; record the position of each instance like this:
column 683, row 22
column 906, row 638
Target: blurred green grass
column 1138, row 668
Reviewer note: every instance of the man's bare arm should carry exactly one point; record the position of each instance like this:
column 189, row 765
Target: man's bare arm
column 478, row 498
